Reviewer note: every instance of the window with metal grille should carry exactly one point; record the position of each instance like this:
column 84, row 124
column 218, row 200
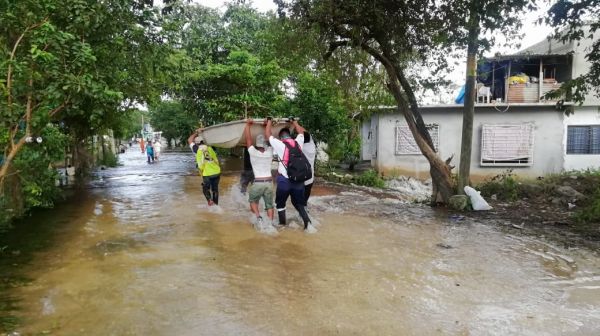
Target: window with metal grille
column 583, row 139
column 406, row 144
column 507, row 145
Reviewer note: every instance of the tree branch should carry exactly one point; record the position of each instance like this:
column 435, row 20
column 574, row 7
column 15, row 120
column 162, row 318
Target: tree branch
column 12, row 57
column 333, row 46
column 59, row 108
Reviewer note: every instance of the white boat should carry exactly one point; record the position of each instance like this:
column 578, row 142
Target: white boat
column 231, row 134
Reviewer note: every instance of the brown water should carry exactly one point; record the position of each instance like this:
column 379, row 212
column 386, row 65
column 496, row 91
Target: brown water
column 140, row 253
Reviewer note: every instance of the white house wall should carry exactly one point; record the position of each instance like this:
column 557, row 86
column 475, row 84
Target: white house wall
column 581, row 66
column 582, row 116
column 548, row 145
column 366, row 136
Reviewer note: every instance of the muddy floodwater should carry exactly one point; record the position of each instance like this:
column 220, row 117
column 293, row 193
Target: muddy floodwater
column 140, row 253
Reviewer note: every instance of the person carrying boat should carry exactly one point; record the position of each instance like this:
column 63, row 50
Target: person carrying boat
column 261, row 157
column 310, row 151
column 293, row 170
column 247, row 175
column 209, row 168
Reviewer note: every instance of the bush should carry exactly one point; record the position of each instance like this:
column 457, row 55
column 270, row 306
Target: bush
column 591, row 212
column 33, row 183
column 370, row 178
column 503, row 185
column 109, row 159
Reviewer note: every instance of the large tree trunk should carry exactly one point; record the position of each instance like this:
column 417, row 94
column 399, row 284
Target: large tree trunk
column 407, row 104
column 464, row 170
column 439, row 170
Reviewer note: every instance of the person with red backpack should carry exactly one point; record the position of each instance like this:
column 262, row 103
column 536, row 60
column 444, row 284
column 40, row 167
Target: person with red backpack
column 293, row 170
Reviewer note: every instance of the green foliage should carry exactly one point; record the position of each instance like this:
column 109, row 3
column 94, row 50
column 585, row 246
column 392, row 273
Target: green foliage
column 370, row 178
column 76, row 63
column 320, row 108
column 574, row 21
column 171, row 118
column 109, row 159
column 241, row 86
column 503, row 185
column 591, row 212
column 128, row 125
column 35, row 175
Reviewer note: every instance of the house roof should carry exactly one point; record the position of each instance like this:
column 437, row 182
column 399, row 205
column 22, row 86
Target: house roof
column 547, row 47
column 521, row 56
column 493, row 105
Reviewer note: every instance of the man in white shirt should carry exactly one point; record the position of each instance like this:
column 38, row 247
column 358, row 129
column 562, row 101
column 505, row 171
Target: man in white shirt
column 285, row 187
column 262, row 186
column 310, row 151
column 157, row 148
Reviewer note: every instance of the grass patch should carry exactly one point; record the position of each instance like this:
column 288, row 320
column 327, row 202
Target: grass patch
column 503, row 185
column 109, row 159
column 370, row 178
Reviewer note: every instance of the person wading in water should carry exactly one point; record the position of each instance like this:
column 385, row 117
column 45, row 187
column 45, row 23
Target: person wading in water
column 209, row 168
column 291, row 160
column 262, row 187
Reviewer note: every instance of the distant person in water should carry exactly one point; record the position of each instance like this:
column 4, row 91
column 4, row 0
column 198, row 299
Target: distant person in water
column 150, row 152
column 262, row 187
column 157, row 146
column 288, row 149
column 208, row 167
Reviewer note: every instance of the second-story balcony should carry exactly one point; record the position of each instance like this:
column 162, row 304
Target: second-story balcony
column 523, row 79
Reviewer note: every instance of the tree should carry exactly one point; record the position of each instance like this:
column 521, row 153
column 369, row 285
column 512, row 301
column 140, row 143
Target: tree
column 243, row 86
column 574, row 21
column 46, row 69
column 173, row 120
column 397, row 35
column 470, row 18
column 69, row 69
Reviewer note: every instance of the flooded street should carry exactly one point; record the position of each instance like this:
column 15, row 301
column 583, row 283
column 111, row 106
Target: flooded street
column 140, row 253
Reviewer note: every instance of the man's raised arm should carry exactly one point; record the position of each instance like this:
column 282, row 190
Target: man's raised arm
column 247, row 133
column 268, row 128
column 299, row 129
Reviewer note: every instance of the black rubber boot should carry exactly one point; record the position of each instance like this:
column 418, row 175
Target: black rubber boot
column 281, row 215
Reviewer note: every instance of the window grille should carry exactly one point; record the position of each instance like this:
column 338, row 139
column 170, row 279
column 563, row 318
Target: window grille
column 406, row 144
column 583, row 139
column 507, row 145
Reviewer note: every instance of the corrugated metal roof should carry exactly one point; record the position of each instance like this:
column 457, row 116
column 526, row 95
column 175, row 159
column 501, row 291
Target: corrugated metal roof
column 549, row 47
column 521, row 56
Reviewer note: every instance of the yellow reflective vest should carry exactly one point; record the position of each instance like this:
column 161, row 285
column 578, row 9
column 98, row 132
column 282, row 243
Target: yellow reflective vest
column 208, row 163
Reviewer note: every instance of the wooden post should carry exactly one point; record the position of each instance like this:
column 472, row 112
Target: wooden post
column 506, row 84
column 540, row 79
column 493, row 78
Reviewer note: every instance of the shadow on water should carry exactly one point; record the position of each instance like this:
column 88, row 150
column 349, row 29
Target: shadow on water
column 27, row 237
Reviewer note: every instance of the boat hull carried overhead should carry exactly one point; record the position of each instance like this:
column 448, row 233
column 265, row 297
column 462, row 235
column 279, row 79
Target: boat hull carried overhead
column 231, row 134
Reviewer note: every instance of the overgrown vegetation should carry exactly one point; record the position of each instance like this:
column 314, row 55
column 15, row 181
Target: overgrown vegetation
column 370, row 178
column 575, row 194
column 503, row 186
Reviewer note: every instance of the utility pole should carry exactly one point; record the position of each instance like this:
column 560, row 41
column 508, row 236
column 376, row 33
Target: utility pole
column 470, row 96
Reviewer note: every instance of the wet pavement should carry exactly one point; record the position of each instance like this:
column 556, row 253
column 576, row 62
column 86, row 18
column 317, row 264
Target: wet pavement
column 140, row 253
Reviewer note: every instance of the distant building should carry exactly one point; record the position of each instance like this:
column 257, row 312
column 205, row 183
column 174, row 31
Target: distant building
column 514, row 127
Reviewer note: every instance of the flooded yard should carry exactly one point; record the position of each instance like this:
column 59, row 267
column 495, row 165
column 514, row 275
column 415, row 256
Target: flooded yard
column 140, row 253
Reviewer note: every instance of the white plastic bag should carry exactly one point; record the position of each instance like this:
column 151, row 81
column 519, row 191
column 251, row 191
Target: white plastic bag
column 477, row 201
